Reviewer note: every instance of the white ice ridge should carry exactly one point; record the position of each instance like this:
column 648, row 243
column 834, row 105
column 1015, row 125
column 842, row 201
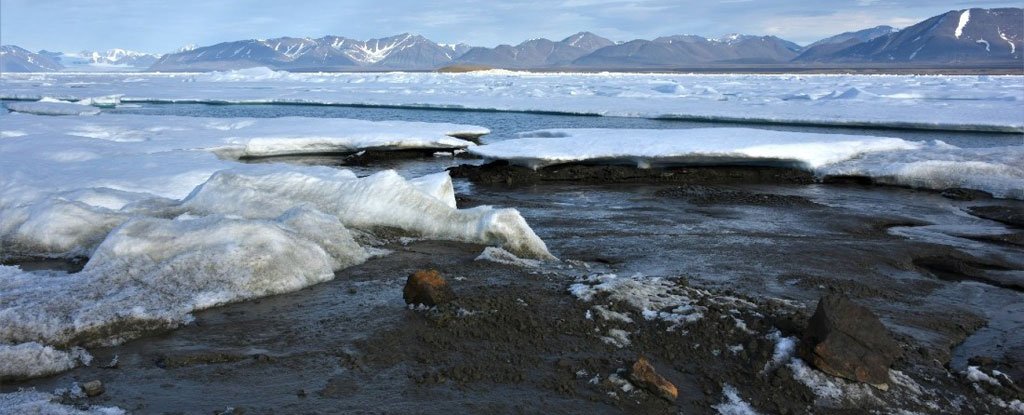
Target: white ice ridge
column 931, row 165
column 986, row 103
column 252, row 137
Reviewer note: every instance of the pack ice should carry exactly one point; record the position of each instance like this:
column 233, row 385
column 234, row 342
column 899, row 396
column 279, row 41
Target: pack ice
column 932, row 165
column 967, row 103
column 171, row 223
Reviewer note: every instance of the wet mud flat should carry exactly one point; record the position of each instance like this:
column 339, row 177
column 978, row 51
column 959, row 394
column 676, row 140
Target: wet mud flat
column 753, row 257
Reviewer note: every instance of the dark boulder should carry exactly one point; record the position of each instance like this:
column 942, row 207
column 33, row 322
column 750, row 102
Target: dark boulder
column 847, row 340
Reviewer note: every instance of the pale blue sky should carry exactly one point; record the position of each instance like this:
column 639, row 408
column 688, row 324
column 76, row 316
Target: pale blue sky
column 164, row 25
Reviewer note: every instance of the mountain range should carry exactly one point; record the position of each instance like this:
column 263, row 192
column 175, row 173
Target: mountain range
column 981, row 37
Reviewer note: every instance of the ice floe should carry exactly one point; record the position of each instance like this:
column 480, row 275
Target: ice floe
column 930, row 165
column 647, row 148
column 50, row 106
column 978, row 103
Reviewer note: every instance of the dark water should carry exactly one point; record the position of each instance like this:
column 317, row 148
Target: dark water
column 505, row 125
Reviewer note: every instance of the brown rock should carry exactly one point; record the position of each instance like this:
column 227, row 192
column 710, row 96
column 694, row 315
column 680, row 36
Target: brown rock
column 644, row 376
column 427, row 287
column 847, row 340
column 93, row 388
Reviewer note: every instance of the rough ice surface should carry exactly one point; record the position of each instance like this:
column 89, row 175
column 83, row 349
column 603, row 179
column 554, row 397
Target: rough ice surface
column 979, row 103
column 648, row 148
column 33, row 402
column 383, row 199
column 29, row 360
column 930, row 165
column 733, row 404
column 68, row 181
column 172, row 223
column 152, row 273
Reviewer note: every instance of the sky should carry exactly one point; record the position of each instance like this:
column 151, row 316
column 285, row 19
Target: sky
column 161, row 26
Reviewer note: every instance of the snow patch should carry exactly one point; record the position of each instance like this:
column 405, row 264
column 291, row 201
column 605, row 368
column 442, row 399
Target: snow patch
column 652, row 297
column 831, row 392
column 965, row 17
column 1013, row 47
column 33, row 402
column 988, row 48
column 733, row 404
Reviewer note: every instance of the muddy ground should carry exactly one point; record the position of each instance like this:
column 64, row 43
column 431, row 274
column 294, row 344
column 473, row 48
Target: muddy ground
column 943, row 279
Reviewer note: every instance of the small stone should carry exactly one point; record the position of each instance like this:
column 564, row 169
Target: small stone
column 427, row 287
column 644, row 375
column 847, row 340
column 93, row 388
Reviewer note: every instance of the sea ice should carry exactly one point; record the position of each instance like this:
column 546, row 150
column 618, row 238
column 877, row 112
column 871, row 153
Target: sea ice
column 49, row 106
column 968, row 103
column 930, row 165
column 647, row 148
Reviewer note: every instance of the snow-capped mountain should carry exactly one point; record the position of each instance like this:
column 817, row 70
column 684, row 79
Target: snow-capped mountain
column 110, row 60
column 405, row 51
column 971, row 36
column 691, row 49
column 536, row 53
column 15, row 59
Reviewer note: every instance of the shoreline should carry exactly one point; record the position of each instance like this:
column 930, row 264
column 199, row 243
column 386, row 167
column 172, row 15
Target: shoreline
column 515, row 333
